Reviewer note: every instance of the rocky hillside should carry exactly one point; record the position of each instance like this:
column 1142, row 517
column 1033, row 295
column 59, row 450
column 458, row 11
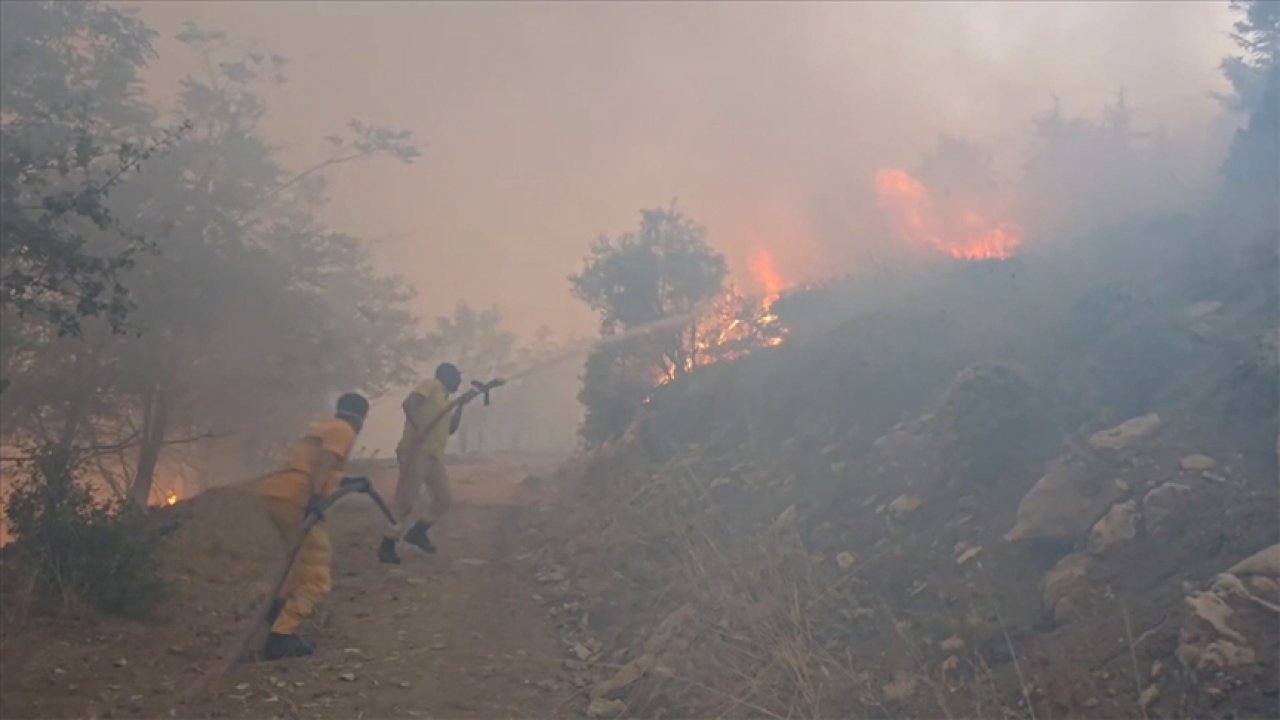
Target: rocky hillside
column 1033, row 489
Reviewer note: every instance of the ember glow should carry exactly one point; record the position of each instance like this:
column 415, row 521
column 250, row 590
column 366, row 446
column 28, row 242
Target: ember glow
column 967, row 235
column 172, row 499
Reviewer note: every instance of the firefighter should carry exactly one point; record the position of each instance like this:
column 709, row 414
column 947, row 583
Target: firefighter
column 313, row 469
column 420, row 455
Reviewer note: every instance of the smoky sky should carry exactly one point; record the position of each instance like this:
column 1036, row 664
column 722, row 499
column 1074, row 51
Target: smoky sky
column 547, row 124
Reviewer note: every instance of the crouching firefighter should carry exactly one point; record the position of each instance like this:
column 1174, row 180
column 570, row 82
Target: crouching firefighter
column 312, row 471
column 420, row 455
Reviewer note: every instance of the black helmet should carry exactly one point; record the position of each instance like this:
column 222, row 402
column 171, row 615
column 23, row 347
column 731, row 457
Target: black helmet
column 449, row 376
column 353, row 404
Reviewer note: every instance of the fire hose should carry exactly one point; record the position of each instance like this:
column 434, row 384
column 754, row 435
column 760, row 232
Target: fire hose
column 258, row 619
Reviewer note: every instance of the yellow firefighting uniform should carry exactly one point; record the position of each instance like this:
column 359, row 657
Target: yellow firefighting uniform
column 285, row 494
column 422, row 466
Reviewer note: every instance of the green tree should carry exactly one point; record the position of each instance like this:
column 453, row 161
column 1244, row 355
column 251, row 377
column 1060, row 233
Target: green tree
column 73, row 129
column 1252, row 166
column 664, row 271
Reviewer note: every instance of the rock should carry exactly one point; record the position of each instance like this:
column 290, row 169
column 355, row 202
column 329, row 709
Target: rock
column 1115, row 528
column 1148, row 697
column 627, row 675
column 405, row 684
column 785, row 520
column 1265, row 562
column 1197, row 463
column 1065, row 503
column 601, row 708
column 903, row 686
column 582, row 652
column 347, row 677
column 1063, row 581
column 1227, row 586
column 553, row 574
column 953, row 643
column 1162, row 505
column 951, row 664
column 121, row 662
column 1126, row 433
column 242, row 687
column 903, row 505
column 1263, row 585
column 968, row 555
column 846, row 560
column 1211, row 608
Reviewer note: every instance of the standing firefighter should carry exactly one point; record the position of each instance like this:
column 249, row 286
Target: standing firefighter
column 312, row 471
column 420, row 456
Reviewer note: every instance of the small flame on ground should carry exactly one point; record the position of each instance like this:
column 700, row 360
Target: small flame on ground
column 172, row 499
column 971, row 236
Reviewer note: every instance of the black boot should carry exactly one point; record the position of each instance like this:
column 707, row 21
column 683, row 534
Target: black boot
column 387, row 552
column 280, row 646
column 417, row 536
column 273, row 613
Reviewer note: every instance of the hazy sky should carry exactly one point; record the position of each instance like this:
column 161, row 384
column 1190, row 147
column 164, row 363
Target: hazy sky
column 546, row 124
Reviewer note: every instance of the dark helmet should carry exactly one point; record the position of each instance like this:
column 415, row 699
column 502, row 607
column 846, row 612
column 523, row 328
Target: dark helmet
column 353, row 405
column 449, row 376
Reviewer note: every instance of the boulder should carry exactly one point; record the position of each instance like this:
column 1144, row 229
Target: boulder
column 1065, row 580
column 1163, row 506
column 1126, row 433
column 904, row 505
column 1197, row 463
column 1265, row 562
column 1115, row 528
column 1065, row 503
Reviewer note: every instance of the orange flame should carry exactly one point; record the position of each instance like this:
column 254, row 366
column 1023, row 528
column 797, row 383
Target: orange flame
column 766, row 273
column 172, row 499
column 971, row 236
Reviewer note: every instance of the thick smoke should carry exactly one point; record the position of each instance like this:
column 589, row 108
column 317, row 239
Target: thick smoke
column 551, row 123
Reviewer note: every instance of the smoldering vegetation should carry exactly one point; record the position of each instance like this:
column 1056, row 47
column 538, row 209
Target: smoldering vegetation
column 970, row 482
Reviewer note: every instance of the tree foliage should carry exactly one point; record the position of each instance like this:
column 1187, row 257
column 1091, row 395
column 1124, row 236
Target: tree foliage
column 73, row 129
column 1252, row 166
column 248, row 314
column 664, row 270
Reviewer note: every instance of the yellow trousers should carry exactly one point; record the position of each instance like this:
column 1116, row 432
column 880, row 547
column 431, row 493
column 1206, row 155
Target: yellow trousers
column 308, row 581
column 419, row 472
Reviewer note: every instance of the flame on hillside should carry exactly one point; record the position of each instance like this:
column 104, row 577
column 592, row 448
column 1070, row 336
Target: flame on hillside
column 172, row 499
column 766, row 274
column 736, row 324
column 967, row 235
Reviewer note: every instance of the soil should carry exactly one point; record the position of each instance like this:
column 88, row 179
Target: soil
column 458, row 634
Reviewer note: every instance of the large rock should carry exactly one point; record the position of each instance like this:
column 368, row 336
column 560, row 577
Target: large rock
column 1065, row 503
column 1126, row 433
column 1067, row 580
column 1265, row 562
column 1164, row 506
column 1115, row 528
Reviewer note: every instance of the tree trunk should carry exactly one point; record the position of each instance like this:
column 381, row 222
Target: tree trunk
column 154, row 426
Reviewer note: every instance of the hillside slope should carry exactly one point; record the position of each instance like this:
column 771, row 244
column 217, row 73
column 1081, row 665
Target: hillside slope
column 993, row 489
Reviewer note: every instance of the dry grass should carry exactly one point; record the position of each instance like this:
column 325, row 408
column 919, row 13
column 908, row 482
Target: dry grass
column 776, row 631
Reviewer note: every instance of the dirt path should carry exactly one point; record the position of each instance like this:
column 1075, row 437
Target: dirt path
column 455, row 635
